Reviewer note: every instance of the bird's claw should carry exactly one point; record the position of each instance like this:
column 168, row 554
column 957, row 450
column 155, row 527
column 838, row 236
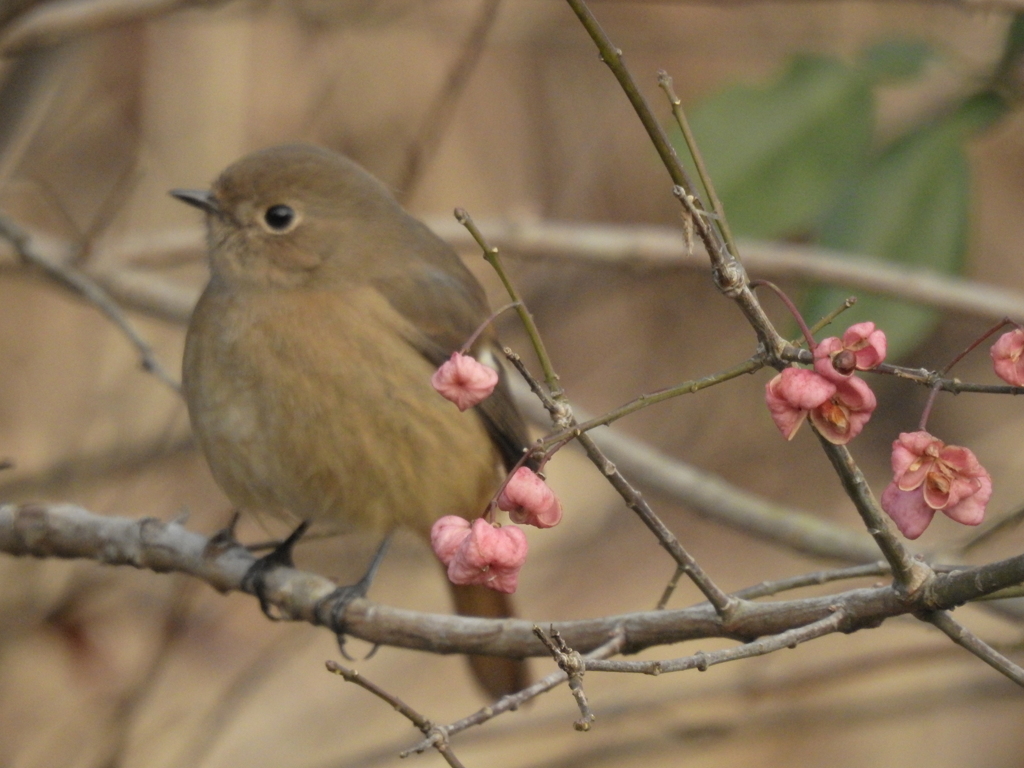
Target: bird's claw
column 254, row 580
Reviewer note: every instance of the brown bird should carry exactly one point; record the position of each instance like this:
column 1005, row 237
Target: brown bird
column 308, row 361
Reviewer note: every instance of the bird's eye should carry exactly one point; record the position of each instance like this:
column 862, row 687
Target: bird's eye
column 279, row 218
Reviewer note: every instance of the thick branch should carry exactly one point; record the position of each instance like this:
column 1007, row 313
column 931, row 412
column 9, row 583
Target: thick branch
column 67, row 531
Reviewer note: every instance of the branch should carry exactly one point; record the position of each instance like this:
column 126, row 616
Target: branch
column 439, row 113
column 514, row 701
column 910, row 574
column 655, row 247
column 84, row 286
column 728, row 273
column 701, row 660
column 631, row 246
column 713, row 498
column 67, row 531
column 48, row 24
column 960, row 635
column 704, row 493
column 436, row 737
column 964, row 5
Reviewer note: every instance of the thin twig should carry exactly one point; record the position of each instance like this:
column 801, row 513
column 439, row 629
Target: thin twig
column 962, row 636
column 571, row 662
column 652, row 398
column 436, row 737
column 555, row 410
column 702, row 660
column 848, row 302
column 768, row 588
column 494, row 259
column 514, row 701
column 638, row 247
column 910, row 574
column 728, row 273
column 935, row 380
column 724, row 605
column 670, row 588
column 710, row 496
column 81, row 284
column 665, row 82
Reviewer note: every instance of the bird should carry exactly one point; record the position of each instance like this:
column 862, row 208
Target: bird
column 308, row 359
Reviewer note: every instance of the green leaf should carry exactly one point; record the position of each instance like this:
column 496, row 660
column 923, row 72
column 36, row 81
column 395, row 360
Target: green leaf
column 909, row 207
column 778, row 154
column 894, row 60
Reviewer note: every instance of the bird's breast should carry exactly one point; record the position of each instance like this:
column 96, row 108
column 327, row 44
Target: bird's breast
column 312, row 404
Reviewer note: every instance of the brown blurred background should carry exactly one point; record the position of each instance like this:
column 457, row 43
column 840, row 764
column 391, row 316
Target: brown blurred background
column 99, row 118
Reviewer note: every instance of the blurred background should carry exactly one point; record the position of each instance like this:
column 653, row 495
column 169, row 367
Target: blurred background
column 890, row 130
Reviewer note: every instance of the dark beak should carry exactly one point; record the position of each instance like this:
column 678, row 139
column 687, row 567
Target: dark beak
column 200, row 198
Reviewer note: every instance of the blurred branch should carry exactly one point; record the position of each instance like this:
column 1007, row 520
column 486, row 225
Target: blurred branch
column 67, row 531
column 152, row 295
column 128, row 706
column 141, row 288
column 994, row 528
column 704, row 493
column 439, row 113
column 84, row 468
column 78, row 282
column 967, row 5
column 231, row 700
column 663, row 247
column 47, row 24
column 636, row 247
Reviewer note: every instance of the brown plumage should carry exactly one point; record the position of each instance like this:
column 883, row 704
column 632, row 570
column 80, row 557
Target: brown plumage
column 308, row 360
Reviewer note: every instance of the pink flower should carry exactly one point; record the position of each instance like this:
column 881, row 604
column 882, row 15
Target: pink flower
column 861, row 349
column 792, row 394
column 1007, row 357
column 839, row 409
column 479, row 553
column 842, row 417
column 529, row 500
column 464, row 381
column 446, row 535
column 930, row 476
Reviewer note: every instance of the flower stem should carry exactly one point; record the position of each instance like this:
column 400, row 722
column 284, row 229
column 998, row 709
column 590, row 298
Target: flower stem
column 480, row 329
column 492, row 258
column 808, row 336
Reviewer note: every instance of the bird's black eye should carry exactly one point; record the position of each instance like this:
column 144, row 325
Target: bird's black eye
column 279, row 217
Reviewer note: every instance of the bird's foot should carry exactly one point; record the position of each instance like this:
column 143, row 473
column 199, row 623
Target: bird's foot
column 254, row 580
column 224, row 539
column 330, row 610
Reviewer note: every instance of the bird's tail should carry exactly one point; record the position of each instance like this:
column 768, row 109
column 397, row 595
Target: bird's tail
column 497, row 675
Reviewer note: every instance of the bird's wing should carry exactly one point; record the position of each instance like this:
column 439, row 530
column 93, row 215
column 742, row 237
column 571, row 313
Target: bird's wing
column 445, row 304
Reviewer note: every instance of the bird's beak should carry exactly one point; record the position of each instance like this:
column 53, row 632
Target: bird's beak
column 200, row 198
